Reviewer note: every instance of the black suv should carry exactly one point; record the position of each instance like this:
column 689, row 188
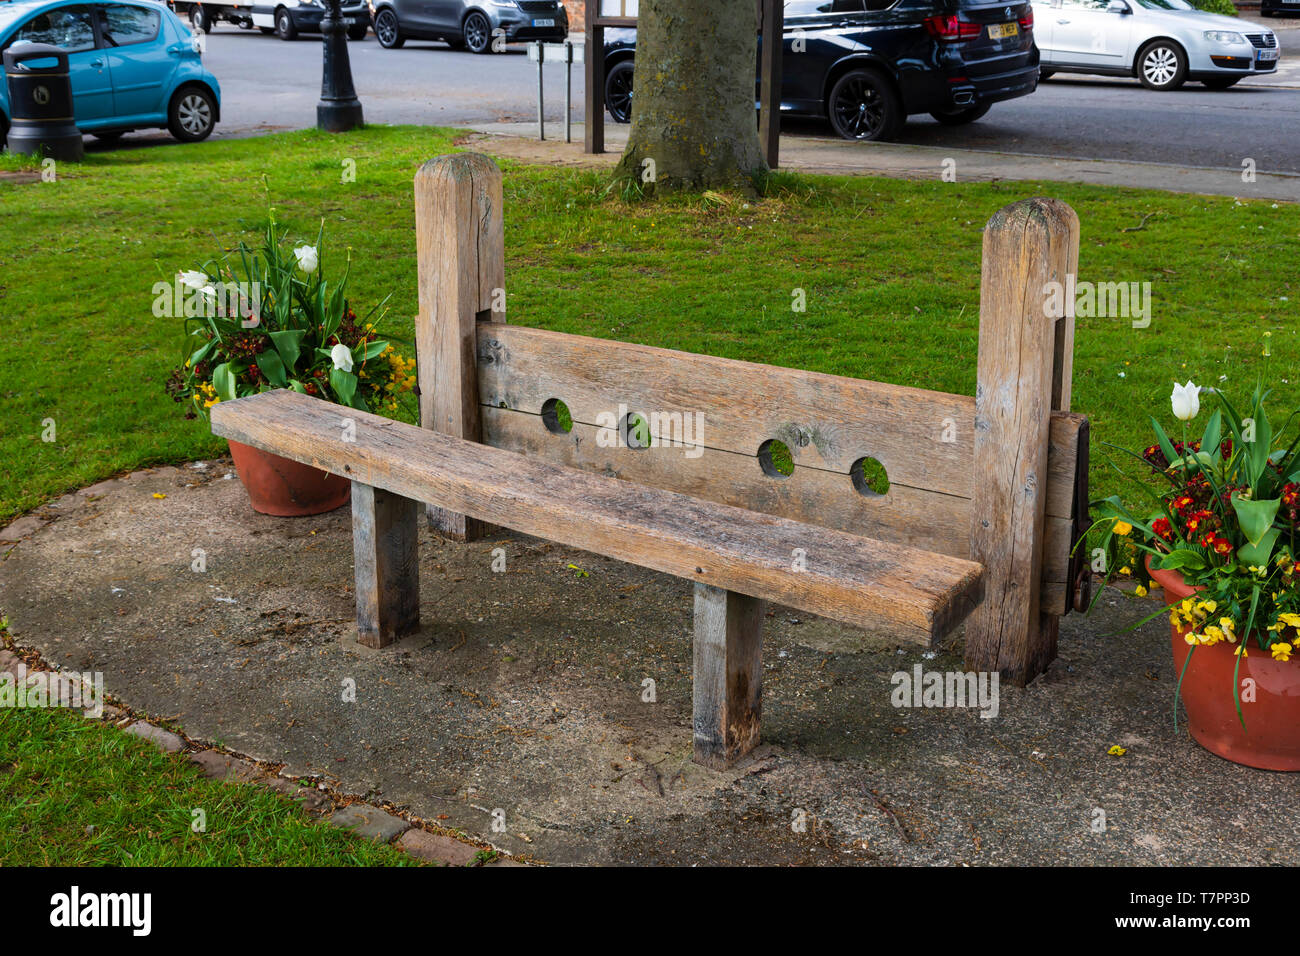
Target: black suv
column 866, row 65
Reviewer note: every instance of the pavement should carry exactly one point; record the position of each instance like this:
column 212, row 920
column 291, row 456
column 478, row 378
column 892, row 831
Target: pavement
column 839, row 157
column 519, row 712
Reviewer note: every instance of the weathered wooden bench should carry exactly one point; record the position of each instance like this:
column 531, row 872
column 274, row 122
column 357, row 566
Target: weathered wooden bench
column 986, row 495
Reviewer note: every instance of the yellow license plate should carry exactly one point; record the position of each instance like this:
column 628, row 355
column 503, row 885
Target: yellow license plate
column 998, row 31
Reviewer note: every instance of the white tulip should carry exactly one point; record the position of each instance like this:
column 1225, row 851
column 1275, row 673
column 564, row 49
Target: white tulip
column 341, row 355
column 192, row 280
column 1186, row 401
column 308, row 260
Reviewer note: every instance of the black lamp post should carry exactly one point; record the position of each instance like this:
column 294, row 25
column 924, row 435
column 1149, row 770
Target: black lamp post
column 339, row 110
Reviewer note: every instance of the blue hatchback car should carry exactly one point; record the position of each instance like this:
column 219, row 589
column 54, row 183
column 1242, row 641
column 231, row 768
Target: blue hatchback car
column 133, row 65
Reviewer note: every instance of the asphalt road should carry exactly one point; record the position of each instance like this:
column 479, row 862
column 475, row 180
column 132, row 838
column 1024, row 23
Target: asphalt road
column 268, row 84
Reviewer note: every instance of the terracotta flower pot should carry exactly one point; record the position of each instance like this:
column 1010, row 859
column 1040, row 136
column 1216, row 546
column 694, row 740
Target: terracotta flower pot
column 278, row 486
column 1271, row 738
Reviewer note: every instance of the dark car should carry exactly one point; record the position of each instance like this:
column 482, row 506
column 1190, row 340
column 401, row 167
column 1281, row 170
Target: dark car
column 472, row 24
column 866, row 65
column 1279, row 8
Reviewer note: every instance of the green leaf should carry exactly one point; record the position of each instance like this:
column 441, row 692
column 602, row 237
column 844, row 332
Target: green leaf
column 201, row 353
column 271, row 366
column 1165, row 444
column 1261, row 552
column 1179, row 559
column 344, row 385
column 1256, row 517
column 1213, row 434
column 297, row 386
column 288, row 343
column 223, row 380
column 373, row 349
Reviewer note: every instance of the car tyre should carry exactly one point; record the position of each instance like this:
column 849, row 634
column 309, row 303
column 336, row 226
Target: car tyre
column 357, row 32
column 1162, row 66
column 200, row 19
column 1220, row 82
column 284, row 27
column 961, row 117
column 267, row 30
column 1045, row 75
column 192, row 114
column 387, row 30
column 864, row 105
column 618, row 91
column 477, row 32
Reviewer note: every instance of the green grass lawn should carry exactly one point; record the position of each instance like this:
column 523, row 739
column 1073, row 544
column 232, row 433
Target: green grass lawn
column 890, row 268
column 77, row 792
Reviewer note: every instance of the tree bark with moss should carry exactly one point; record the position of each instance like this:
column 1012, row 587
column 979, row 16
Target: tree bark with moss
column 693, row 120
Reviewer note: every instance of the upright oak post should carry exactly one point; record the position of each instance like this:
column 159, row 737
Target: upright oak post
column 460, row 248
column 385, row 551
column 1025, row 361
column 728, row 685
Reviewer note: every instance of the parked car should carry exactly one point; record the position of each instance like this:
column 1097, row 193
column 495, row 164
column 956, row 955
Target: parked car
column 1164, row 43
column 285, row 18
column 468, row 24
column 1279, row 8
column 132, row 63
column 866, row 65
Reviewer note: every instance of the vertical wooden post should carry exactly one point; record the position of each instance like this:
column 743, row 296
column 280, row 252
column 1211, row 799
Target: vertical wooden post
column 1025, row 359
column 593, row 119
column 728, row 692
column 772, row 17
column 385, row 529
column 460, row 248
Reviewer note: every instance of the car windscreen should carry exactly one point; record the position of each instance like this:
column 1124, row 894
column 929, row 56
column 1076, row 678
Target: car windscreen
column 1165, row 5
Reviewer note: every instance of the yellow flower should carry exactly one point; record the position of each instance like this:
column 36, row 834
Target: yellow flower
column 1190, row 637
column 159, row 494
column 1126, row 570
column 1123, row 527
column 1212, row 635
column 1140, row 591
column 1290, row 620
column 1210, row 606
column 1117, row 751
column 1281, row 652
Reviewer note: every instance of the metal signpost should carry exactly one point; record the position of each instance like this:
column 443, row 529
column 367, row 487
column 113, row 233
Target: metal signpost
column 568, row 54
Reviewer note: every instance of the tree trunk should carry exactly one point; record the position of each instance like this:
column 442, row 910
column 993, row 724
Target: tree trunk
column 694, row 125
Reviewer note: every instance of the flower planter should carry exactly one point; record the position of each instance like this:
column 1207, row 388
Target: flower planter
column 1269, row 740
column 289, row 489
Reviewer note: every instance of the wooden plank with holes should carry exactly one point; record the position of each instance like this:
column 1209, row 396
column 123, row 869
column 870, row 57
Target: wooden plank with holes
column 1027, row 246
column 460, row 249
column 727, row 694
column 385, row 553
column 846, row 577
column 924, row 439
column 917, row 518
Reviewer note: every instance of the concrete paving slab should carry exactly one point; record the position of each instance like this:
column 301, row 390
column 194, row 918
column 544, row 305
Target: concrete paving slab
column 369, row 822
column 518, row 713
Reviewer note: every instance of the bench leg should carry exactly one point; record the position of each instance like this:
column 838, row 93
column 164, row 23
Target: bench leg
column 728, row 675
column 385, row 552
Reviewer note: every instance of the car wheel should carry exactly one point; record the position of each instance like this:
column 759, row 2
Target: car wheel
column 864, row 105
column 1162, row 65
column 618, row 92
column 961, row 117
column 357, row 32
column 1220, row 82
column 1045, row 75
column 267, row 30
column 284, row 27
column 200, row 19
column 192, row 114
column 478, row 33
column 387, row 31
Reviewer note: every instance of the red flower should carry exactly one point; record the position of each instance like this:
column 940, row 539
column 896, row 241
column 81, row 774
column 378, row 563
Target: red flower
column 1208, row 540
column 1163, row 528
column 1223, row 546
column 1183, row 502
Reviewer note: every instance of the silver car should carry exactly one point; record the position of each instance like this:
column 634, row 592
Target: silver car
column 480, row 26
column 1164, row 43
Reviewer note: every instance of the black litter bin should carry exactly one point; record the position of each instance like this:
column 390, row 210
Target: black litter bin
column 40, row 103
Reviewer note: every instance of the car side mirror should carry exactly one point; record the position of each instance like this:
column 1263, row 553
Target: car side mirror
column 1120, row 7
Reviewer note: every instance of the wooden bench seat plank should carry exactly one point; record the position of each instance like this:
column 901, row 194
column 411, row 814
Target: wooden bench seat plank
column 848, row 578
